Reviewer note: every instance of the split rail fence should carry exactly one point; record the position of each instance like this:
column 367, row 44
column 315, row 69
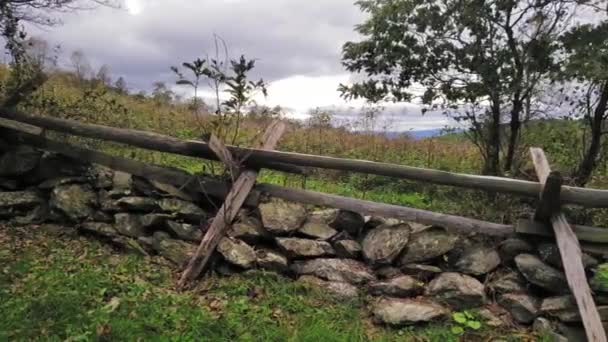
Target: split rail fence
column 244, row 164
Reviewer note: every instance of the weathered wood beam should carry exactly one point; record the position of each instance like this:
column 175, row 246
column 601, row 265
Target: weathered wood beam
column 283, row 161
column 228, row 211
column 224, row 155
column 142, row 139
column 157, row 173
column 450, row 222
column 570, row 252
column 550, row 198
column 583, row 233
column 218, row 189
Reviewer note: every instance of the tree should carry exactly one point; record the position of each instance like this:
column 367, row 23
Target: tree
column 39, row 12
column 475, row 59
column 103, row 75
column 121, row 86
column 81, row 65
column 586, row 65
column 241, row 90
column 26, row 75
column 198, row 70
column 161, row 93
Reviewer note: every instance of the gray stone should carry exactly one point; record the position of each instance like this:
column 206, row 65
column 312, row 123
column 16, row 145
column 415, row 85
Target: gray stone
column 421, row 271
column 136, row 203
column 492, row 318
column 458, row 290
column 339, row 290
column 427, row 245
column 53, row 165
column 182, row 209
column 100, row 216
column 478, row 260
column 388, row 272
column 98, row 228
column 549, row 253
column 171, row 191
column 510, row 282
column 317, row 230
column 573, row 333
column 396, row 311
column 524, row 308
column 340, row 270
column 37, row 215
column 102, row 176
column 237, row 252
column 8, row 184
column 304, row 248
column 512, row 247
column 372, row 222
column 55, row 182
column 419, row 227
column 129, row 225
column 106, row 202
column 177, row 251
column 400, row 286
column 74, row 200
column 271, row 260
column 542, row 325
column 348, row 221
column 383, row 244
column 249, row 229
column 147, row 243
column 326, row 216
column 348, row 249
column 19, row 200
column 122, row 184
column 19, row 161
column 185, row 231
column 563, row 308
column 282, row 217
column 155, row 221
column 541, row 274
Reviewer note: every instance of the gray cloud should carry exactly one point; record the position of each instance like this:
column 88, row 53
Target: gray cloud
column 288, row 37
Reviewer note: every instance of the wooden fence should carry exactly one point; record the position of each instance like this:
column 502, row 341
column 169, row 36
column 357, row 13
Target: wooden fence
column 245, row 162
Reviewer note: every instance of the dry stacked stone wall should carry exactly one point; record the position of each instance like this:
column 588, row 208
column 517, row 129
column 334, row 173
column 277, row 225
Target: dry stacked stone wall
column 408, row 273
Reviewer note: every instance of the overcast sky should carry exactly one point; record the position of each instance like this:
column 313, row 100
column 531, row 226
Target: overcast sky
column 297, row 45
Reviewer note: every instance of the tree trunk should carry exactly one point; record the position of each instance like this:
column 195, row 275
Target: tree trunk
column 585, row 168
column 492, row 163
column 515, row 126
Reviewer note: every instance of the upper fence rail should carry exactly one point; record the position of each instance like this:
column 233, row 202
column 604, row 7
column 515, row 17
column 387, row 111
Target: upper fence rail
column 289, row 161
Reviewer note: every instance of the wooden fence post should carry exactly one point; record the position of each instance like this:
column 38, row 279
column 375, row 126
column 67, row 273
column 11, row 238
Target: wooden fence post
column 228, row 211
column 570, row 252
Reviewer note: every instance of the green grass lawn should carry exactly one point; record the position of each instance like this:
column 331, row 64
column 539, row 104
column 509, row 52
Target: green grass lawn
column 75, row 289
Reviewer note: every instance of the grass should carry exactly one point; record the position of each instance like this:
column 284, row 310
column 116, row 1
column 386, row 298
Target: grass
column 73, row 289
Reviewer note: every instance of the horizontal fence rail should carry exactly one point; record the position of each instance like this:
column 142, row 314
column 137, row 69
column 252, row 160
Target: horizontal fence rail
column 17, row 133
column 289, row 161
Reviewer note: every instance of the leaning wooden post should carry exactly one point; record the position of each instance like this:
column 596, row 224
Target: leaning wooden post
column 228, row 211
column 570, row 252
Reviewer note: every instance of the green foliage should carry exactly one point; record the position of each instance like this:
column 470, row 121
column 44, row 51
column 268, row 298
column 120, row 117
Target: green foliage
column 600, row 278
column 465, row 321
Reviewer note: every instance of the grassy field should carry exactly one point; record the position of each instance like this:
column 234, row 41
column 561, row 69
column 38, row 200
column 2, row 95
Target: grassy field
column 68, row 288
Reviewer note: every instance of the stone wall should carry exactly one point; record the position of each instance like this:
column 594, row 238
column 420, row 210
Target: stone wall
column 407, row 272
